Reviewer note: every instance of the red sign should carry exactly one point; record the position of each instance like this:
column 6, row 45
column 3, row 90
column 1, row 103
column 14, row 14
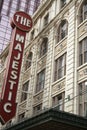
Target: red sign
column 21, row 24
column 22, row 20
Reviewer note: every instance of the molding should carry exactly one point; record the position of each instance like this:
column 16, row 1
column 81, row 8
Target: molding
column 51, row 118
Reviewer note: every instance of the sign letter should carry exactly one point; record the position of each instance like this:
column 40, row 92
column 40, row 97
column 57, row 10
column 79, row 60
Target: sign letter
column 7, row 107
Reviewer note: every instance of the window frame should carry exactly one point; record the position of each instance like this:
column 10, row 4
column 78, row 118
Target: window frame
column 36, row 110
column 59, row 67
column 61, row 32
column 58, row 101
column 83, row 51
column 21, row 116
column 24, row 93
column 82, row 88
column 28, row 60
column 46, row 19
column 43, row 47
column 40, row 81
column 32, row 34
column 82, row 12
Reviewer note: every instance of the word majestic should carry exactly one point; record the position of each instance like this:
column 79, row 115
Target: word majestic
column 21, row 23
column 14, row 70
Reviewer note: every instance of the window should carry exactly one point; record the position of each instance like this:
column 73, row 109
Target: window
column 63, row 2
column 24, row 91
column 36, row 5
column 28, row 61
column 26, row 5
column 62, row 30
column 43, row 47
column 37, row 108
column 32, row 35
column 1, row 3
column 83, row 98
column 21, row 116
column 83, row 11
column 46, row 18
column 9, row 6
column 40, row 81
column 18, row 5
column 83, row 51
column 58, row 101
column 60, row 67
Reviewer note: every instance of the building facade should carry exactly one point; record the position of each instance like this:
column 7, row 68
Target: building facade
column 54, row 69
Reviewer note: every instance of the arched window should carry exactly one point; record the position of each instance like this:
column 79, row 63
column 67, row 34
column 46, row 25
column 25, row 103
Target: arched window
column 28, row 60
column 62, row 30
column 83, row 11
column 43, row 47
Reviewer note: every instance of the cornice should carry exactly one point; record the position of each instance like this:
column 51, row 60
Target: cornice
column 51, row 115
column 42, row 9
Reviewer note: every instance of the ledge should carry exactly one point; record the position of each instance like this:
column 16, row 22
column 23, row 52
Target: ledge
column 52, row 119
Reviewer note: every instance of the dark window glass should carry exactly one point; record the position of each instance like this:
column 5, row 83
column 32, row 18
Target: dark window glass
column 28, row 61
column 24, row 91
column 40, row 81
column 62, row 30
column 60, row 67
column 37, row 109
column 43, row 47
column 63, row 2
column 46, row 18
column 21, row 116
column 83, row 98
column 83, row 51
column 83, row 11
column 58, row 101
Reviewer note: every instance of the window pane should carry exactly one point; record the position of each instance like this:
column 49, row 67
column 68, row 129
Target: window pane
column 80, row 59
column 28, row 60
column 62, row 30
column 60, row 67
column 43, row 47
column 58, row 101
column 80, row 93
column 85, row 109
column 37, row 108
column 85, row 50
column 85, row 11
column 40, row 81
column 80, row 110
column 46, row 18
column 21, row 116
column 24, row 91
column 83, row 98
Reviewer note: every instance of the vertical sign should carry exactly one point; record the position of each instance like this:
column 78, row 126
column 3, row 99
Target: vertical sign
column 21, row 23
